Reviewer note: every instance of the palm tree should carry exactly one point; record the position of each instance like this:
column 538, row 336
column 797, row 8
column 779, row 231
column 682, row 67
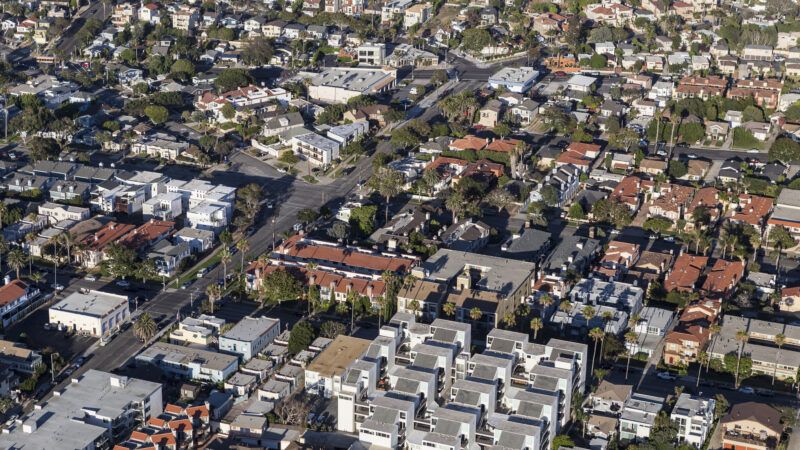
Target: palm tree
column 588, row 313
column 225, row 258
column 630, row 338
column 713, row 330
column 409, row 281
column 607, row 317
column 3, row 249
column 3, row 212
column 67, row 241
column 214, row 293
column 780, row 339
column 29, row 238
column 388, row 183
column 17, row 259
column 742, row 337
column 565, row 306
column 510, row 320
column 413, row 305
column 449, row 309
column 597, row 335
column 145, row 327
column 702, row 357
column 546, row 301
column 455, row 202
column 243, row 246
column 37, row 277
column 475, row 314
column 536, row 325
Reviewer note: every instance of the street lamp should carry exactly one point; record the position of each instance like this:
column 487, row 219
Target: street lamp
column 273, row 234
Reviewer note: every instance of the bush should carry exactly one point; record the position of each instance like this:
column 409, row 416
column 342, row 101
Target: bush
column 288, row 157
column 743, row 138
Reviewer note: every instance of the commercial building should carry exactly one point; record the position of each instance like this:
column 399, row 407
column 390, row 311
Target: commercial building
column 250, row 336
column 190, row 363
column 97, row 313
column 95, row 410
column 514, row 79
column 338, row 85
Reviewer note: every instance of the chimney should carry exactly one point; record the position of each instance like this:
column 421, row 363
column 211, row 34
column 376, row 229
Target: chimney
column 7, row 279
column 369, row 291
column 312, row 280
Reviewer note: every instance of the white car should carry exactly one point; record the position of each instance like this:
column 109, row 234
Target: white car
column 666, row 376
column 90, row 277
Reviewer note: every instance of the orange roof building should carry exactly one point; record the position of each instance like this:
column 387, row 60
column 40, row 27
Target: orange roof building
column 753, row 210
column 346, row 259
column 685, row 273
column 468, row 142
column 723, row 277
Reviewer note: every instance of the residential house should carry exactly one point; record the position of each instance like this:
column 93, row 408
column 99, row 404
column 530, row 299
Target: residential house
column 639, row 416
column 694, row 417
column 685, row 274
column 751, row 425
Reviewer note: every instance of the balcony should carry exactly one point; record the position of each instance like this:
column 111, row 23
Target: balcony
column 749, row 440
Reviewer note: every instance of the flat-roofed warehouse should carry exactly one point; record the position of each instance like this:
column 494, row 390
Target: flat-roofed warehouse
column 338, row 84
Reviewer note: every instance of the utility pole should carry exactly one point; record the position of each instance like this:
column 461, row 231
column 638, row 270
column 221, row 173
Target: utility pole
column 273, row 235
column 52, row 369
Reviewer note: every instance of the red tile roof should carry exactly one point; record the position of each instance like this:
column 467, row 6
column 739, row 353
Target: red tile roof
column 12, row 291
column 468, row 142
column 723, row 276
column 302, row 249
column 147, row 234
column 685, row 273
column 753, row 209
column 503, row 145
column 110, row 233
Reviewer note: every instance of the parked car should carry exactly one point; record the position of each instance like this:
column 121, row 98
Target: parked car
column 91, row 277
column 123, row 283
column 747, row 390
column 666, row 376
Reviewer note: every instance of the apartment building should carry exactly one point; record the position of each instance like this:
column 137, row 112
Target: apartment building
column 16, row 300
column 96, row 243
column 694, row 417
column 165, row 206
column 249, row 336
column 200, row 330
column 315, row 148
column 760, row 347
column 95, row 410
column 786, row 212
column 620, row 299
column 417, row 14
column 638, row 417
column 189, row 363
column 495, row 286
column 159, row 146
column 186, row 18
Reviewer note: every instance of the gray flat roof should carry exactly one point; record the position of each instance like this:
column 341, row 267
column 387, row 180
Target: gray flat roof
column 56, row 423
column 501, row 275
column 176, row 354
column 92, row 303
column 359, row 80
column 250, row 328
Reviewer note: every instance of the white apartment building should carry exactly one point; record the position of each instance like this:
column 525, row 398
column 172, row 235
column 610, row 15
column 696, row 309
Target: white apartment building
column 98, row 313
column 159, row 147
column 250, row 336
column 57, row 212
column 417, row 14
column 639, row 416
column 371, row 54
column 207, row 216
column 694, row 417
column 317, row 149
column 200, row 330
column 94, row 410
column 189, row 363
column 185, row 18
column 166, row 206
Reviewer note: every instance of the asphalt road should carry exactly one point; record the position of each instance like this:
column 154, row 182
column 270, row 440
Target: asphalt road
column 291, row 194
column 95, row 10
